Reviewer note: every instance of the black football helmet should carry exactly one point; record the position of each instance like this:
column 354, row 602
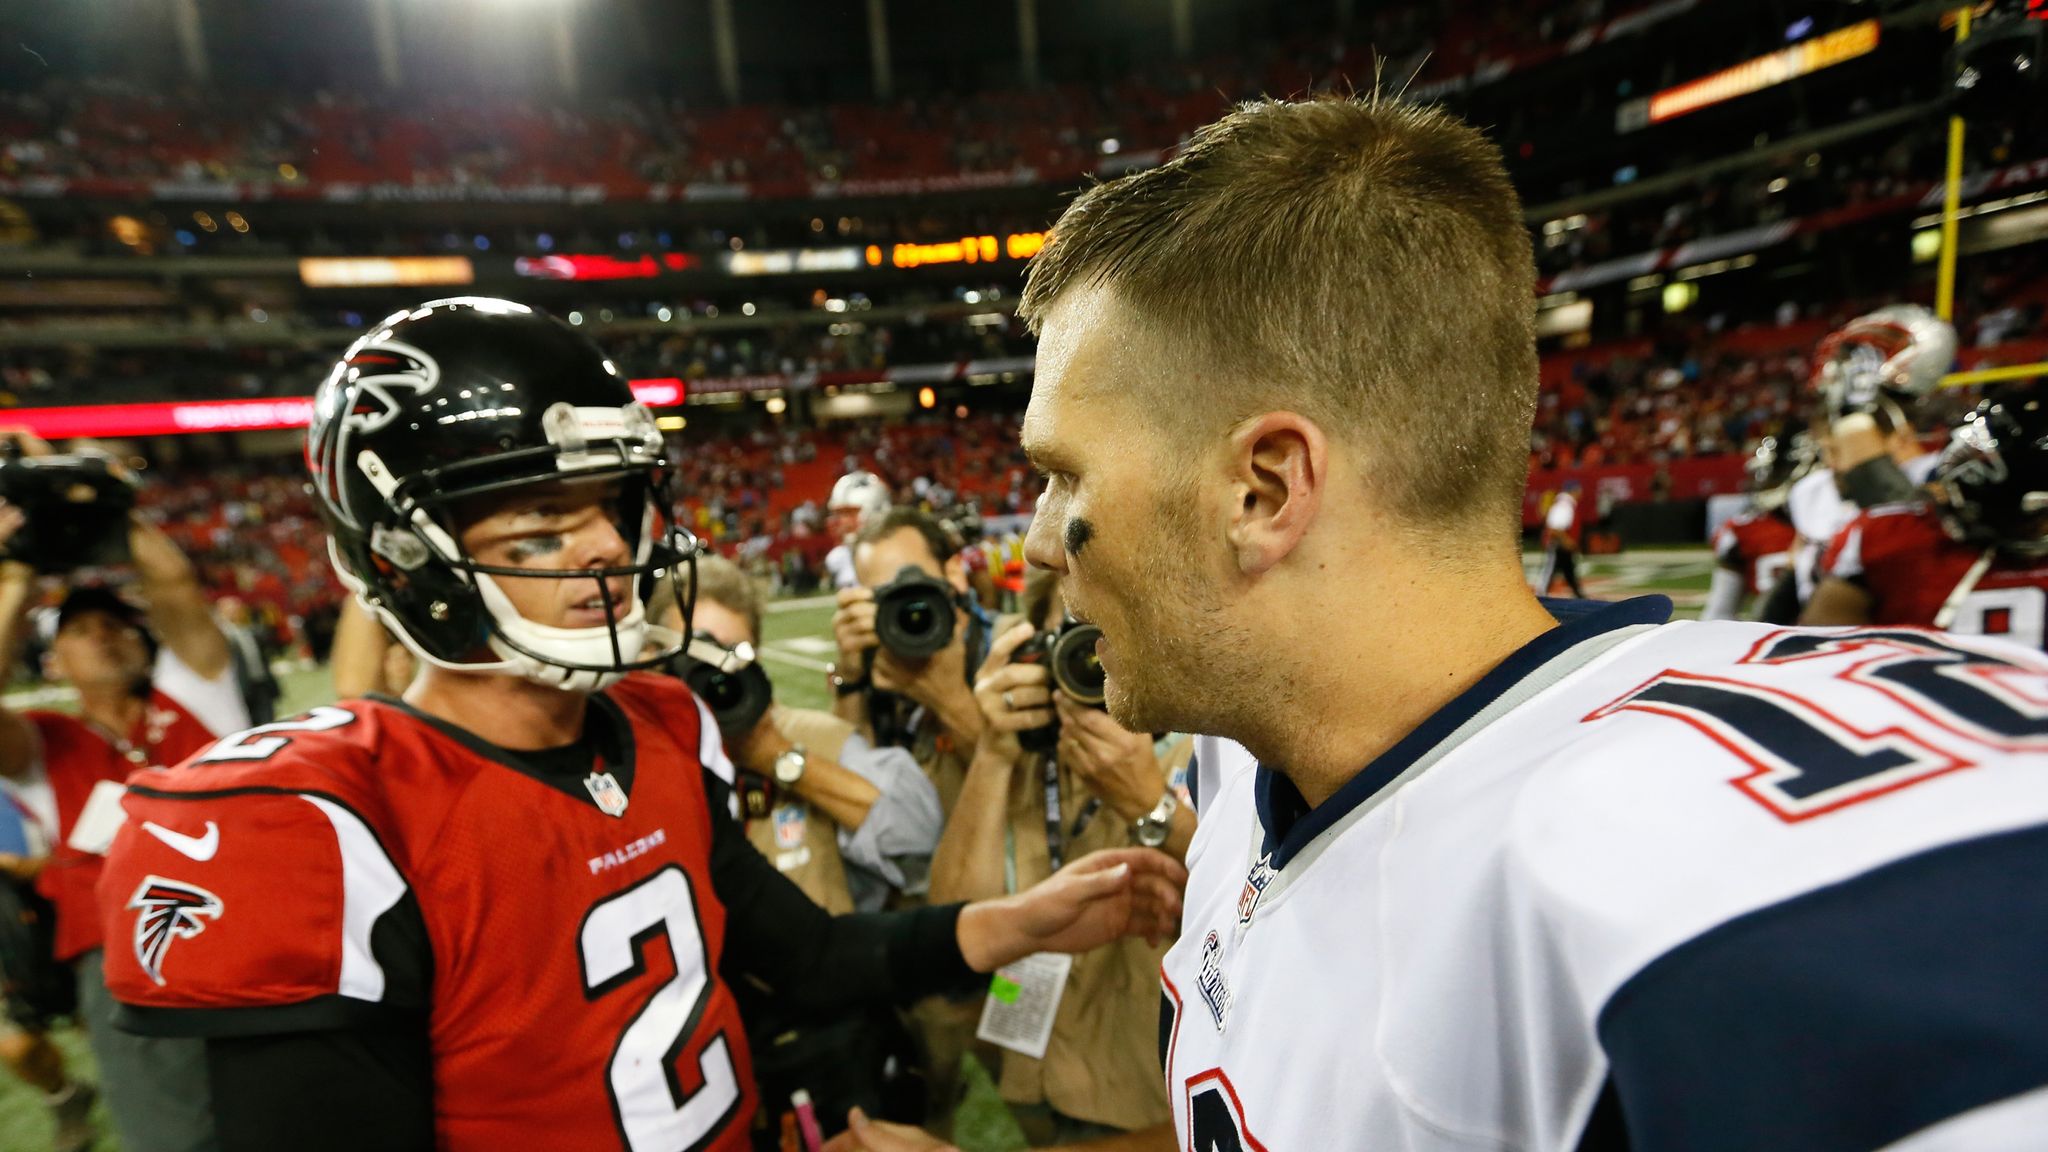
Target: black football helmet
column 1993, row 476
column 474, row 397
column 1776, row 465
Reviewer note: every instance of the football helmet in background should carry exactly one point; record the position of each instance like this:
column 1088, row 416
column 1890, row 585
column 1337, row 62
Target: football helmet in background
column 1993, row 476
column 1776, row 465
column 1894, row 357
column 860, row 492
column 474, row 397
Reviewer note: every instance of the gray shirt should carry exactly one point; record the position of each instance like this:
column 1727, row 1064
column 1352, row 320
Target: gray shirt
column 892, row 849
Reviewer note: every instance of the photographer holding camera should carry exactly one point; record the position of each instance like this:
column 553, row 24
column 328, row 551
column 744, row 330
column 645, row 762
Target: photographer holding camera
column 850, row 823
column 1053, row 778
column 910, row 632
column 156, row 684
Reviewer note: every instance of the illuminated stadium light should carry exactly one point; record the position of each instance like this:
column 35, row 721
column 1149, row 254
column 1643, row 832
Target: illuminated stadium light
column 384, row 272
column 1837, row 47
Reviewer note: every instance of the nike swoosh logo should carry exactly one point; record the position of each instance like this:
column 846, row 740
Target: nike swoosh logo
column 200, row 848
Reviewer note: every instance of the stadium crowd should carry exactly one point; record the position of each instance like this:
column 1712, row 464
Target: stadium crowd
column 463, row 904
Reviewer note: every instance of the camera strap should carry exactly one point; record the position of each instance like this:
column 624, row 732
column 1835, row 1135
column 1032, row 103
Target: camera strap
column 1056, row 834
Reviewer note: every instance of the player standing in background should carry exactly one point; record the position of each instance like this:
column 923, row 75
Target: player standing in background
column 156, row 683
column 1561, row 542
column 1481, row 877
column 1753, row 549
column 857, row 498
column 1969, row 556
column 1872, row 377
column 506, row 911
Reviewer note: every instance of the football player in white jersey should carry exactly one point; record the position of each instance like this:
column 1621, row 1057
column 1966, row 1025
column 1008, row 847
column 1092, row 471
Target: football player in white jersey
column 857, row 498
column 1480, row 871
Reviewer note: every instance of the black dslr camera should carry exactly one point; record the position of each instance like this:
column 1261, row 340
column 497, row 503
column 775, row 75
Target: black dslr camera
column 729, row 681
column 77, row 509
column 914, row 614
column 1068, row 654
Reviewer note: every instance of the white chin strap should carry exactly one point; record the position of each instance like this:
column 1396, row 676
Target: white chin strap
column 586, row 646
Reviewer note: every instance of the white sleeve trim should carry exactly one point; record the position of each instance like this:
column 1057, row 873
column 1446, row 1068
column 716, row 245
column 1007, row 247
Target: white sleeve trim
column 370, row 886
column 216, row 703
column 711, row 753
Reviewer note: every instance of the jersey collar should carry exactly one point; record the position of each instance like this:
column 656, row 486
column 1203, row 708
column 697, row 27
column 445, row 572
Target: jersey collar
column 1291, row 825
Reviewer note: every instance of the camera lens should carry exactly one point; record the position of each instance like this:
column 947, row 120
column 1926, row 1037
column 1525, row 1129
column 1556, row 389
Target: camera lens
column 1076, row 667
column 914, row 614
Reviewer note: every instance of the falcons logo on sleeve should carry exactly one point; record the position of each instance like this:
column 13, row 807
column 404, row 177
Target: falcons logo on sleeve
column 168, row 910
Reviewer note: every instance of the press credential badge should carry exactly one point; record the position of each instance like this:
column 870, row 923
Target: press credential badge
column 1023, row 999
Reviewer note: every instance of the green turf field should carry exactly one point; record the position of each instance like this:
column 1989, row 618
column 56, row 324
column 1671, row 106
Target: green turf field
column 795, row 650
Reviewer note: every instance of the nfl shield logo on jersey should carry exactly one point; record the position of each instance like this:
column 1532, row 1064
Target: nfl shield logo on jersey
column 604, row 788
column 1255, row 883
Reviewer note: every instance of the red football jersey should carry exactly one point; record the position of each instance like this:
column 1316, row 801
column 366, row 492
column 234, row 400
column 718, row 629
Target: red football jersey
column 77, row 756
column 1910, row 565
column 568, row 970
column 1758, row 545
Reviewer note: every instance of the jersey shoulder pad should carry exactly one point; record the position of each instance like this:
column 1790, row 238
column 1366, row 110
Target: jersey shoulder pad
column 1734, row 766
column 261, row 899
column 331, row 748
column 1899, row 527
column 653, row 699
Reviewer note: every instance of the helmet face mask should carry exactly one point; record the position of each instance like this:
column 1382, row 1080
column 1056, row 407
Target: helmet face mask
column 442, row 416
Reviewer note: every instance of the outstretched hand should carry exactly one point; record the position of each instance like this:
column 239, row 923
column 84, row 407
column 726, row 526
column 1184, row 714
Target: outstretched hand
column 865, row 1135
column 1099, row 898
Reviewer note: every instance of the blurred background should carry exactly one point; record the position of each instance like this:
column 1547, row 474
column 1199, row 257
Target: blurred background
column 801, row 227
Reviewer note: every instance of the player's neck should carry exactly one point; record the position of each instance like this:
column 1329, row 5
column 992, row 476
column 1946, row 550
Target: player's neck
column 1408, row 644
column 505, row 710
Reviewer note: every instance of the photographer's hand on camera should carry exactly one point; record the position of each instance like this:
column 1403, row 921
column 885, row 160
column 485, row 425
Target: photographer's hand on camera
column 938, row 683
column 1116, row 764
column 1011, row 698
column 853, row 629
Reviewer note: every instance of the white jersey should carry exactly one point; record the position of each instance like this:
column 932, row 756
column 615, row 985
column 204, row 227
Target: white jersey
column 839, row 567
column 1715, row 887
column 1817, row 511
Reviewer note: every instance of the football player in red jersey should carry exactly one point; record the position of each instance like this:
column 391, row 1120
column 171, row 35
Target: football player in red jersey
column 506, row 910
column 1969, row 556
column 1753, row 550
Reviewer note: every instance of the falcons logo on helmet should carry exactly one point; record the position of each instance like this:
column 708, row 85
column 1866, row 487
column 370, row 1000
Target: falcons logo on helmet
column 378, row 368
column 168, row 910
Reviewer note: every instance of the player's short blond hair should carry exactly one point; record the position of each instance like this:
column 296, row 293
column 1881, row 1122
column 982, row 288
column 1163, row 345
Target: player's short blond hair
column 1358, row 260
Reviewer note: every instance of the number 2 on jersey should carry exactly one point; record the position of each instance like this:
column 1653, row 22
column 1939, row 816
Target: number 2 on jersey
column 655, row 1113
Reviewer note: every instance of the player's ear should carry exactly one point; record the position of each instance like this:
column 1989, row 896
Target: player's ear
column 1279, row 464
column 956, row 573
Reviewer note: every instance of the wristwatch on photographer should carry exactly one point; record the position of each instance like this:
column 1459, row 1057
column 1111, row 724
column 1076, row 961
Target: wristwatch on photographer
column 1152, row 829
column 789, row 767
column 841, row 686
